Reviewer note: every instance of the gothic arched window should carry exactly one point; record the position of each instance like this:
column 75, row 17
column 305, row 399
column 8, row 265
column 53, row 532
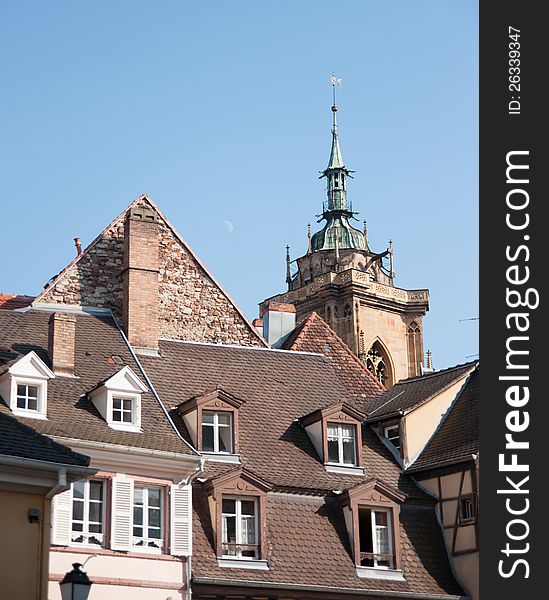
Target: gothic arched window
column 378, row 364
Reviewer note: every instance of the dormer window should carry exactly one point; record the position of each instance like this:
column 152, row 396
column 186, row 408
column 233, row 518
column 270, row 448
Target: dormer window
column 118, row 399
column 27, row 396
column 341, row 444
column 238, row 502
column 24, row 386
column 336, row 433
column 392, row 433
column 217, row 431
column 212, row 421
column 371, row 513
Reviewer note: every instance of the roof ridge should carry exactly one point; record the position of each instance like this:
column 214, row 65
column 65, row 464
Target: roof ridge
column 146, row 197
column 314, row 316
column 437, row 373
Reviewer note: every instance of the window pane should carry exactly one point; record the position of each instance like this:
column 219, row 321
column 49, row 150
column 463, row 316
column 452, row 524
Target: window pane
column 349, row 451
column 207, row 417
column 116, row 415
column 229, row 506
column 32, row 391
column 154, row 517
column 138, row 495
column 225, row 439
column 229, row 529
column 247, row 507
column 137, row 531
column 154, row 497
column 127, row 404
column 96, row 488
column 127, row 417
column 95, row 512
column 247, row 526
column 348, row 431
column 117, row 403
column 382, row 540
column 21, row 403
column 224, row 418
column 333, row 452
column 77, row 510
column 78, row 489
column 381, row 518
column 21, row 390
column 332, row 431
column 138, row 515
column 207, row 438
column 33, row 404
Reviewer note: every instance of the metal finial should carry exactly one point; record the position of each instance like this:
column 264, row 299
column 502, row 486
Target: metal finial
column 288, row 260
column 309, row 244
column 392, row 262
column 429, row 362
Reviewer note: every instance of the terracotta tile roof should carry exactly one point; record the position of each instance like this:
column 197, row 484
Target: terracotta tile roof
column 313, row 334
column 278, row 387
column 457, row 438
column 70, row 413
column 308, row 545
column 14, row 301
column 410, row 393
column 17, row 439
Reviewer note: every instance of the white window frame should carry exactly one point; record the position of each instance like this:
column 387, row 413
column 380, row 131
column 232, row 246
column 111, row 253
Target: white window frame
column 373, row 527
column 238, row 515
column 136, row 410
column 145, row 525
column 40, row 411
column 216, row 426
column 386, row 429
column 85, row 521
column 340, row 438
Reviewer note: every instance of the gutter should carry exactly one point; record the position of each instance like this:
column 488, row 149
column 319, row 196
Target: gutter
column 323, row 588
column 44, row 465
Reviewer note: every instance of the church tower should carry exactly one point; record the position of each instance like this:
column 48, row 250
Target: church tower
column 353, row 288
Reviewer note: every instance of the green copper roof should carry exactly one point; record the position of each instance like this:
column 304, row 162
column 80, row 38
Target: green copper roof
column 338, row 227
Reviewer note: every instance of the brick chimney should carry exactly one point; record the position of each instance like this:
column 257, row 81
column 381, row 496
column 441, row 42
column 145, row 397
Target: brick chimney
column 140, row 278
column 278, row 321
column 61, row 342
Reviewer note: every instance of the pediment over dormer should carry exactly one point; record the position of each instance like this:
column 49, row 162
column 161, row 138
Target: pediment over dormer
column 31, row 365
column 373, row 492
column 118, row 399
column 217, row 399
column 239, row 482
column 212, row 421
column 336, row 433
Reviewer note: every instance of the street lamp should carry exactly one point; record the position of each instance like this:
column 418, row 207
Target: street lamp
column 76, row 584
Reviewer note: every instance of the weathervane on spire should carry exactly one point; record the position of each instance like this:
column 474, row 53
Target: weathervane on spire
column 335, row 83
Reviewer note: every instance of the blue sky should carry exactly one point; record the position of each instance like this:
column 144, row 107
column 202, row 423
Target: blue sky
column 220, row 111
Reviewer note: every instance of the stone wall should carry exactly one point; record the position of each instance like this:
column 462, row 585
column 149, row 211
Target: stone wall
column 191, row 306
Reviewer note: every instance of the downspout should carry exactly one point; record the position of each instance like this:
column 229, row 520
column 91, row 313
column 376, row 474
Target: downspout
column 199, row 469
column 45, row 533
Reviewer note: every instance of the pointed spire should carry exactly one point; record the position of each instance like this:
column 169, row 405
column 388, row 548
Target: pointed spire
column 288, row 272
column 429, row 360
column 391, row 258
column 336, row 159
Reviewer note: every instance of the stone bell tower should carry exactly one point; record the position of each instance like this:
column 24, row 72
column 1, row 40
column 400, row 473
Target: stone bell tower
column 353, row 288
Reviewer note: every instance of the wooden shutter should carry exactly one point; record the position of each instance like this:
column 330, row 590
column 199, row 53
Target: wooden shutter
column 180, row 520
column 122, row 514
column 61, row 518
